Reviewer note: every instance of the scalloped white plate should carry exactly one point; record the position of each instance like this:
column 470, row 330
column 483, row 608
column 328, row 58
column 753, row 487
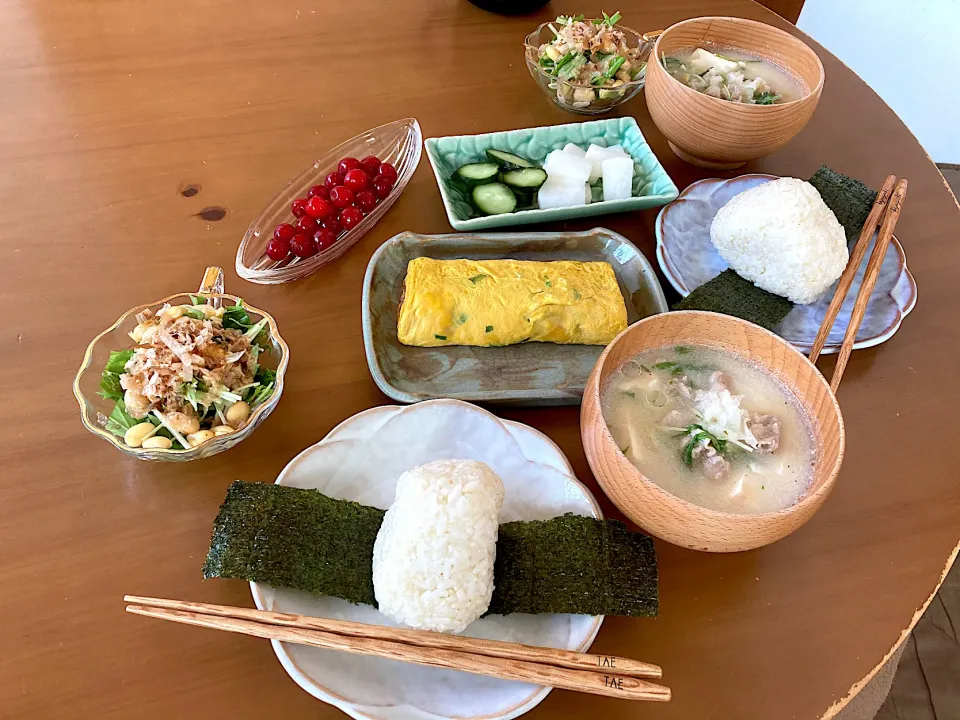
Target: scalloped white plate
column 689, row 259
column 361, row 460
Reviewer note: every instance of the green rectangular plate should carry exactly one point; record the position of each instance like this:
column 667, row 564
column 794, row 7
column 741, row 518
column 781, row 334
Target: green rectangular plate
column 652, row 187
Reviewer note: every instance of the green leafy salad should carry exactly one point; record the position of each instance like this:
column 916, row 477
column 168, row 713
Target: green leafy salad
column 193, row 375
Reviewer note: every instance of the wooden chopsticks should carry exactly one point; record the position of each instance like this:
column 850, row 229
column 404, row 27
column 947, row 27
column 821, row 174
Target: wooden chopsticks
column 889, row 205
column 582, row 672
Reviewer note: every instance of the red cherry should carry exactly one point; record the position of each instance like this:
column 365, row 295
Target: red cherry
column 307, row 225
column 318, row 207
column 333, row 179
column 351, row 217
column 284, row 232
column 370, row 165
column 347, row 164
column 299, row 207
column 365, row 200
column 324, row 239
column 318, row 191
column 278, row 249
column 356, row 179
column 388, row 171
column 332, row 224
column 382, row 186
column 341, row 196
column 302, row 245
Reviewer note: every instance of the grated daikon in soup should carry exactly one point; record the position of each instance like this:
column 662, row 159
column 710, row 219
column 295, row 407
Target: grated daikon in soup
column 711, row 428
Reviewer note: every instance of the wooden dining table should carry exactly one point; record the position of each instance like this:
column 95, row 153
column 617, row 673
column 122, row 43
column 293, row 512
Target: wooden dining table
column 138, row 140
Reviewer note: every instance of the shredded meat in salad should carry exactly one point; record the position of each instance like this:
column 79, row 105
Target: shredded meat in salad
column 174, row 352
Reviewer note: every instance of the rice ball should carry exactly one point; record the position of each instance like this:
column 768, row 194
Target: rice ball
column 783, row 238
column 433, row 556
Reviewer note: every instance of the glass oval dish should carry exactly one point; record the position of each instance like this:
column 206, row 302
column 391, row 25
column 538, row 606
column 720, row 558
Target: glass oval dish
column 94, row 409
column 593, row 101
column 398, row 143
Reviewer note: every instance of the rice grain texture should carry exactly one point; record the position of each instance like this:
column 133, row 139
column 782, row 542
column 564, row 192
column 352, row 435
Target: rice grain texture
column 434, row 554
column 783, row 238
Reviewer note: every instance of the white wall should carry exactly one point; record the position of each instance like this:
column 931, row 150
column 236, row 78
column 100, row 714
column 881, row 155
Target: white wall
column 908, row 51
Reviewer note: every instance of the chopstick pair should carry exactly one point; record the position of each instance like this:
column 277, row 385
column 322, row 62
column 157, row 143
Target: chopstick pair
column 582, row 672
column 888, row 204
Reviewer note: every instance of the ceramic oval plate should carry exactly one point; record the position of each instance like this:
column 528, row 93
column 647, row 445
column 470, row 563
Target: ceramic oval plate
column 361, row 460
column 525, row 374
column 689, row 259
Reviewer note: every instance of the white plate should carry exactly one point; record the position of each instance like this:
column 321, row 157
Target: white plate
column 689, row 259
column 361, row 460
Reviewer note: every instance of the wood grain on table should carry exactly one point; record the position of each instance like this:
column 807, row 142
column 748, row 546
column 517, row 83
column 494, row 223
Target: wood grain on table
column 138, row 139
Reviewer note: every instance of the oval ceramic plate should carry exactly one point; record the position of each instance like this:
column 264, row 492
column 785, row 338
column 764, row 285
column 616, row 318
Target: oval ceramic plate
column 689, row 259
column 361, row 460
column 524, row 374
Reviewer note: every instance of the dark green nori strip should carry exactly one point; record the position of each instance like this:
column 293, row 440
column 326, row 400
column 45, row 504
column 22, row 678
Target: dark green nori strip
column 574, row 564
column 296, row 538
column 302, row 539
column 730, row 294
column 850, row 200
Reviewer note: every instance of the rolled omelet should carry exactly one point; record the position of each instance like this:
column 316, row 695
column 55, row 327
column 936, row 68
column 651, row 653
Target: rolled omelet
column 504, row 302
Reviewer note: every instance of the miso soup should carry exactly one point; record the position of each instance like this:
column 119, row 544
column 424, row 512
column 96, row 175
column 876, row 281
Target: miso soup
column 733, row 76
column 711, row 428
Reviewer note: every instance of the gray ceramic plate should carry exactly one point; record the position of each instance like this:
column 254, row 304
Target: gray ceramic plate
column 528, row 374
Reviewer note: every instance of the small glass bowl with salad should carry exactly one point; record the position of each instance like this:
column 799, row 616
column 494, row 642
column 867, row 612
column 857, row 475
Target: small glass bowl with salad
column 182, row 378
column 588, row 66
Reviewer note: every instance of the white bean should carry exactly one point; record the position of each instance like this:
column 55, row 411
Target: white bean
column 222, row 430
column 172, row 313
column 157, row 442
column 182, row 423
column 238, row 413
column 201, row 436
column 135, row 436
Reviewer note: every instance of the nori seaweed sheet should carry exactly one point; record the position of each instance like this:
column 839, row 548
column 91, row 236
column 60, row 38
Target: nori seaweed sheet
column 850, row 200
column 574, row 564
column 296, row 538
column 302, row 539
column 730, row 294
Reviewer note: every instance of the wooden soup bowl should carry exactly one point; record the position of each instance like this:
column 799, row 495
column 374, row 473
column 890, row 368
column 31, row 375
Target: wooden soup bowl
column 667, row 516
column 713, row 133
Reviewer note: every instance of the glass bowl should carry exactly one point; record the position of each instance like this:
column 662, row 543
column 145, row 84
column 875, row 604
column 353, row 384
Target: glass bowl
column 95, row 409
column 584, row 99
column 398, row 143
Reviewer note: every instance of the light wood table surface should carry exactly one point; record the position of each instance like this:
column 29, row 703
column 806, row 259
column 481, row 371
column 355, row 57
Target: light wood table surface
column 111, row 107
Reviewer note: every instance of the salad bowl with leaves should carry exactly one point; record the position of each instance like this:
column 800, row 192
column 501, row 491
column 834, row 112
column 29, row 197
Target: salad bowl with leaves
column 182, row 378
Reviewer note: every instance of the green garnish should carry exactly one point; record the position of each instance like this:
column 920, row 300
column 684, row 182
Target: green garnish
column 194, row 312
column 635, row 72
column 609, row 73
column 576, row 295
column 477, row 278
column 629, row 393
column 682, row 350
column 666, row 365
column 645, row 368
column 489, row 328
column 197, row 300
column 110, row 379
column 670, row 64
column 461, row 318
column 569, row 19
column 766, row 98
column 236, row 317
column 566, row 70
column 120, row 420
column 697, row 434
column 677, row 371
column 440, row 337
column 547, row 64
column 609, row 20
column 548, row 283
